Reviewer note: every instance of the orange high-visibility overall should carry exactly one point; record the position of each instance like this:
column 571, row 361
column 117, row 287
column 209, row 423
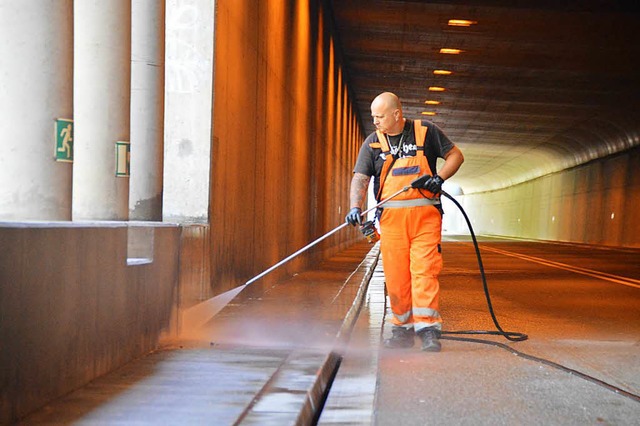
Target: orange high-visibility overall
column 410, row 240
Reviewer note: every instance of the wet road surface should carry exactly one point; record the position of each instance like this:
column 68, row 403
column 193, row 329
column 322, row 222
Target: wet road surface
column 269, row 356
column 580, row 307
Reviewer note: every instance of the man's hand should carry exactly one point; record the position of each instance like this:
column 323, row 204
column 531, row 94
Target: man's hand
column 419, row 182
column 354, row 217
column 434, row 184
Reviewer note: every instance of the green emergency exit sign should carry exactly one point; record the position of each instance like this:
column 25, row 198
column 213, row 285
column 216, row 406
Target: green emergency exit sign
column 123, row 158
column 64, row 140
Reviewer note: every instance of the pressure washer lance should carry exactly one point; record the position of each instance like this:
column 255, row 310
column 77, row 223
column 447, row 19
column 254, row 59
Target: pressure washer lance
column 328, row 234
column 417, row 184
column 221, row 300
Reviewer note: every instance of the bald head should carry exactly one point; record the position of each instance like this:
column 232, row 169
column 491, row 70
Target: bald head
column 386, row 112
column 387, row 100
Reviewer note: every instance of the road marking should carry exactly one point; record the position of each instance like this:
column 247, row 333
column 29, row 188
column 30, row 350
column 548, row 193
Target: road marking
column 630, row 282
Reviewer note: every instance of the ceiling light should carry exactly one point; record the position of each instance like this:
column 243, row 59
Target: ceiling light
column 436, row 89
column 461, row 22
column 442, row 72
column 432, row 102
column 450, row 51
column 428, row 113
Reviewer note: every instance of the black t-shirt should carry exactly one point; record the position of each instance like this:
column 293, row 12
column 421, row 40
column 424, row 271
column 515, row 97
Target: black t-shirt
column 370, row 160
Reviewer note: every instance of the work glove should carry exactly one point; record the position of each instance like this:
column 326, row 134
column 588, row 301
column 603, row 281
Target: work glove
column 434, row 184
column 354, row 217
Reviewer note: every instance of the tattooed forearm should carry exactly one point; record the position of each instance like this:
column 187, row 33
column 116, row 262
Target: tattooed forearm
column 359, row 185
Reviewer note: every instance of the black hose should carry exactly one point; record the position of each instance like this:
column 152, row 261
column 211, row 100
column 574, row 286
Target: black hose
column 509, row 335
column 513, row 336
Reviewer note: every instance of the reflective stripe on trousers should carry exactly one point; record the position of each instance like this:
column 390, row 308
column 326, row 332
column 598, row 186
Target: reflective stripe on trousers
column 409, row 244
column 419, row 312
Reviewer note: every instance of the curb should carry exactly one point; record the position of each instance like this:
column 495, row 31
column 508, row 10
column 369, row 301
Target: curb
column 316, row 396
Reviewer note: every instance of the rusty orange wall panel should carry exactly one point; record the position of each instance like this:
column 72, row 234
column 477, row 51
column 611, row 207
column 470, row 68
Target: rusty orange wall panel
column 280, row 178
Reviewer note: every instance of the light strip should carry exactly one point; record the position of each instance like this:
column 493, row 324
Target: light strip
column 442, row 72
column 461, row 22
column 449, row 51
column 432, row 102
column 436, row 89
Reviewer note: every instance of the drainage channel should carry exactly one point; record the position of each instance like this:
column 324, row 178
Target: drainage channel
column 351, row 398
column 307, row 380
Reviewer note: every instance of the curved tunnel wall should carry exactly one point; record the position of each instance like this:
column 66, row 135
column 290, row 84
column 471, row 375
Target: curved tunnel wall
column 585, row 141
column 285, row 139
column 594, row 203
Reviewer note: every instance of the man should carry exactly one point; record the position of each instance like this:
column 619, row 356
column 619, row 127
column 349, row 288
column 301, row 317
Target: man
column 399, row 152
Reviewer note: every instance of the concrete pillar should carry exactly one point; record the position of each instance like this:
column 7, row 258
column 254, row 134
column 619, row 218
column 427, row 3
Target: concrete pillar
column 188, row 109
column 36, row 69
column 147, row 109
column 102, row 64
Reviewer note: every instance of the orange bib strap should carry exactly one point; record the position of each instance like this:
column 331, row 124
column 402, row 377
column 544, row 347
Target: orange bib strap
column 388, row 161
column 421, row 134
column 384, row 143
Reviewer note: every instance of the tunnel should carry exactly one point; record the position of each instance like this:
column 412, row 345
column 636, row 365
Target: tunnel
column 175, row 182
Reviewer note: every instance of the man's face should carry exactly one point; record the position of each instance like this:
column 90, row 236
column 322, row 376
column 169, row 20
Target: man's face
column 384, row 118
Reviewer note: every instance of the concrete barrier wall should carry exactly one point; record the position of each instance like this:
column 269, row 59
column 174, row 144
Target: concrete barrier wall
column 285, row 139
column 596, row 203
column 72, row 308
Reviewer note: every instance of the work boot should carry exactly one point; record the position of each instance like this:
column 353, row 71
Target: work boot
column 400, row 338
column 430, row 339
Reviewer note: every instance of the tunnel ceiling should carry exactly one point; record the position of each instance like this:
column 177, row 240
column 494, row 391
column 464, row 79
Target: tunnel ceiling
column 539, row 86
